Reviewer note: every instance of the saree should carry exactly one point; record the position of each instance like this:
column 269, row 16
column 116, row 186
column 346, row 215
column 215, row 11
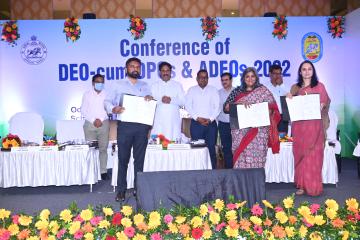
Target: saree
column 250, row 145
column 308, row 145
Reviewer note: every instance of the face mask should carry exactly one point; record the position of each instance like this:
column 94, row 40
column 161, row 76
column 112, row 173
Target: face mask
column 99, row 86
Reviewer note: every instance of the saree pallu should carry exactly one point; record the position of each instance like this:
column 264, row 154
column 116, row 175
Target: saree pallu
column 250, row 145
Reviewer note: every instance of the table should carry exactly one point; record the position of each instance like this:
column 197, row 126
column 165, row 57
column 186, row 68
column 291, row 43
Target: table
column 165, row 160
column 45, row 168
column 280, row 167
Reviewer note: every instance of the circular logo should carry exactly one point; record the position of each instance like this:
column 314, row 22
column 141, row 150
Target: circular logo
column 312, row 48
column 33, row 52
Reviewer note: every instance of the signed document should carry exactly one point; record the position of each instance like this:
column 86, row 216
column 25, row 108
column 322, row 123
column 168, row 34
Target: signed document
column 306, row 107
column 138, row 110
column 257, row 115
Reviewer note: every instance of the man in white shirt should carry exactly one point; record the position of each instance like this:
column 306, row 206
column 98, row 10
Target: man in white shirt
column 96, row 126
column 224, row 121
column 278, row 89
column 202, row 103
column 170, row 97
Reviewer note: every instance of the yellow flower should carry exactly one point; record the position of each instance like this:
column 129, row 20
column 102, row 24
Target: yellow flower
column 138, row 218
column 41, row 224
column 290, row 231
column 207, row 234
column 345, row 235
column 74, row 227
column 231, row 215
column 304, row 211
column 14, row 26
column 330, row 213
column 51, row 237
column 310, row 219
column 282, row 217
column 196, row 221
column 268, row 235
column 203, row 210
column 13, row 229
column 154, row 220
column 315, row 236
column 8, row 29
column 288, row 202
column 66, row 215
column 108, row 211
column 121, row 236
column 303, row 231
column 180, row 219
column 4, row 214
column 126, row 222
column 256, row 220
column 44, row 214
column 126, row 210
column 352, row 203
column 86, row 214
column 267, row 204
column 89, row 236
column 214, row 217
column 67, row 19
column 33, row 238
column 319, row 220
column 219, row 204
column 139, row 236
column 331, row 203
column 25, row 220
column 239, row 205
column 104, row 224
column 172, row 227
column 230, row 232
column 54, row 227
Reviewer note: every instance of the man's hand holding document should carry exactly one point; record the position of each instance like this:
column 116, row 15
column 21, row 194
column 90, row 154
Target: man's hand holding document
column 255, row 115
column 306, row 107
column 138, row 110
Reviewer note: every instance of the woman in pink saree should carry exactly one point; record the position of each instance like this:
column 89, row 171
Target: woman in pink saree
column 250, row 145
column 309, row 135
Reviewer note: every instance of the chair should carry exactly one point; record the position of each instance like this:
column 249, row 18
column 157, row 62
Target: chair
column 29, row 126
column 333, row 137
column 69, row 130
column 356, row 153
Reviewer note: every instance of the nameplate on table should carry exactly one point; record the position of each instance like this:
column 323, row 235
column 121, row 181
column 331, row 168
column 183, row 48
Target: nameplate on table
column 25, row 149
column 154, row 147
column 177, row 146
column 77, row 148
column 48, row 148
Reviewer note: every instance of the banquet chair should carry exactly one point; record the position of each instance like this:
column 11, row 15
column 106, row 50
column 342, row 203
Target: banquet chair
column 333, row 137
column 70, row 130
column 29, row 126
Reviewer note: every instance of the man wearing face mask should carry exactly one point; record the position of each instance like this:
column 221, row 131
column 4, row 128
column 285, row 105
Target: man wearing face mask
column 130, row 135
column 96, row 126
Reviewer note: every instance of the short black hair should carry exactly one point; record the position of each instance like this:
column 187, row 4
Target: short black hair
column 202, row 71
column 133, row 59
column 96, row 76
column 162, row 64
column 227, row 74
column 275, row 67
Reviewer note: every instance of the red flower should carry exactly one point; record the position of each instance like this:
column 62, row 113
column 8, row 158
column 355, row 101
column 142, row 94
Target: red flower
column 197, row 233
column 110, row 237
column 116, row 219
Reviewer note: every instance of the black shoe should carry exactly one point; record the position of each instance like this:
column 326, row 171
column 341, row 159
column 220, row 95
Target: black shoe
column 120, row 197
column 104, row 176
column 134, row 192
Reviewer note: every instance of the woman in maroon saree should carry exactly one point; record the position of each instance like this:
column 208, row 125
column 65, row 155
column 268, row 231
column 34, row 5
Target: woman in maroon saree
column 250, row 145
column 309, row 135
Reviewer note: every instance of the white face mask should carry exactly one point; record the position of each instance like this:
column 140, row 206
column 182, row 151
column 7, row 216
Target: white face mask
column 99, row 86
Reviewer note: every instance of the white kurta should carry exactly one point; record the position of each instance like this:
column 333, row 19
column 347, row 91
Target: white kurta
column 167, row 117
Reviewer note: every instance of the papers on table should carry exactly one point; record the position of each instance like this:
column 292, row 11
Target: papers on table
column 138, row 110
column 306, row 107
column 257, row 115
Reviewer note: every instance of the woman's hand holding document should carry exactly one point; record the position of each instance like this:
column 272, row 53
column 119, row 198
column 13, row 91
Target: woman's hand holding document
column 254, row 115
column 305, row 107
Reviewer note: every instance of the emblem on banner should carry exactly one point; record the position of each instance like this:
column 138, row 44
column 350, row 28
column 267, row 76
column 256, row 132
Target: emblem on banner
column 312, row 48
column 33, row 51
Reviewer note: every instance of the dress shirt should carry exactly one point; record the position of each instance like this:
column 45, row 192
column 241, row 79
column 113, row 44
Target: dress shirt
column 92, row 106
column 278, row 91
column 115, row 97
column 203, row 102
column 223, row 94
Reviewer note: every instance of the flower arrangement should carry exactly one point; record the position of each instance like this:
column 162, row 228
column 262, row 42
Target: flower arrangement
column 215, row 220
column 137, row 27
column 11, row 141
column 163, row 141
column 283, row 137
column 336, row 26
column 49, row 141
column 280, row 27
column 72, row 29
column 210, row 27
column 10, row 32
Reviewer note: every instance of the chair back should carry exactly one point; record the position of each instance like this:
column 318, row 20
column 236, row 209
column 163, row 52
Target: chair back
column 69, row 130
column 29, row 126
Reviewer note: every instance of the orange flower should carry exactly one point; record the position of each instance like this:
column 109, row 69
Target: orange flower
column 292, row 219
column 184, row 229
column 23, row 234
column 245, row 225
column 278, row 231
column 233, row 224
column 87, row 228
column 142, row 227
column 267, row 222
column 337, row 223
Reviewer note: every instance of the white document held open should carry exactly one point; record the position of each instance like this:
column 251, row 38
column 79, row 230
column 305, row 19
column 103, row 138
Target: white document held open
column 306, row 107
column 257, row 115
column 138, row 110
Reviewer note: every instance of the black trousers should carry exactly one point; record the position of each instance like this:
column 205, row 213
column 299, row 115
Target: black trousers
column 283, row 126
column 130, row 136
column 225, row 136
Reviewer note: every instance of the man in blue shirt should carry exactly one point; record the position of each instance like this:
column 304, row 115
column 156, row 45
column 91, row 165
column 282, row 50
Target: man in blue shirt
column 129, row 135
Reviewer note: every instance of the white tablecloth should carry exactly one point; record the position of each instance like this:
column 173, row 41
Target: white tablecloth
column 166, row 160
column 60, row 168
column 280, row 167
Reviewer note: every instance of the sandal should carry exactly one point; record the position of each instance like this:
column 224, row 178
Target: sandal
column 300, row 192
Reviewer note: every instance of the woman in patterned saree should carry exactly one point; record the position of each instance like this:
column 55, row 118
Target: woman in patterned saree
column 309, row 136
column 250, row 145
